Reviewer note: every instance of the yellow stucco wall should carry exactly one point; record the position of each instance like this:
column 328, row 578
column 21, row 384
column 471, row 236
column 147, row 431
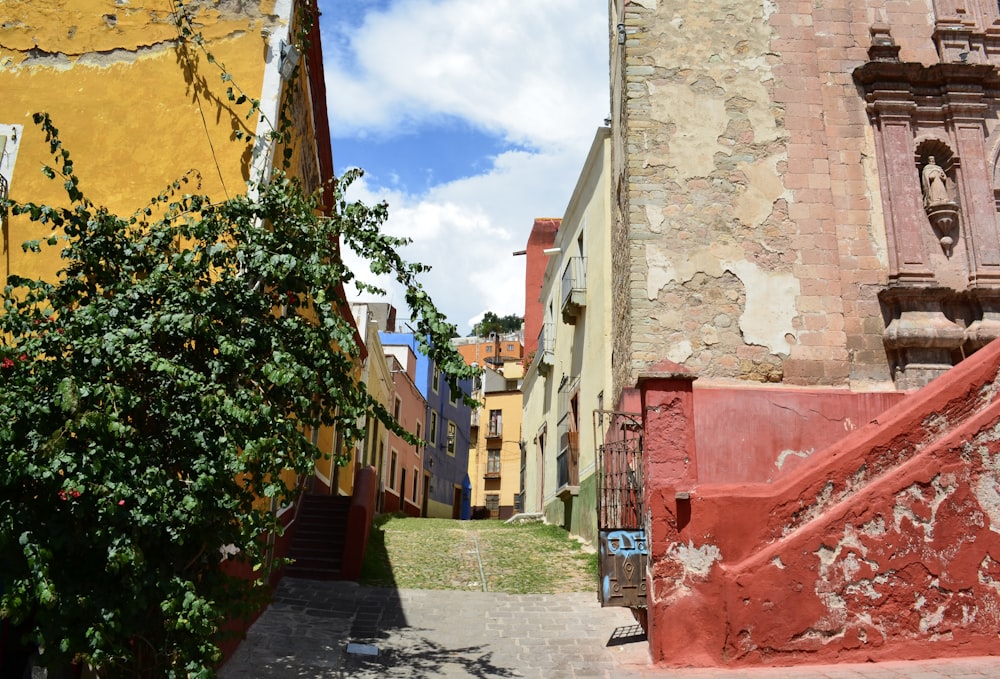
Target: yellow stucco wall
column 509, row 402
column 131, row 112
column 137, row 108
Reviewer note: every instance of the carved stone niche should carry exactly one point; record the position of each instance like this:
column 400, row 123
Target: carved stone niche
column 940, row 210
column 938, row 166
column 921, row 340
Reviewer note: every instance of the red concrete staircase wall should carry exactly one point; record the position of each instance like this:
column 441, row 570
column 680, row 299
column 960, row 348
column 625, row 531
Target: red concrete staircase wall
column 886, row 545
column 331, row 532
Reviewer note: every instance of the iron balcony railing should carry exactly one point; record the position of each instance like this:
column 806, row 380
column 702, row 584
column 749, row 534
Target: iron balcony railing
column 546, row 347
column 562, row 469
column 574, row 285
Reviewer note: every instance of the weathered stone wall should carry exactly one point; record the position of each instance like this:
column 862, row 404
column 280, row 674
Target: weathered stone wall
column 753, row 246
column 621, row 328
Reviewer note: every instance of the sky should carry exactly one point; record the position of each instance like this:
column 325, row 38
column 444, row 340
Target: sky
column 470, row 118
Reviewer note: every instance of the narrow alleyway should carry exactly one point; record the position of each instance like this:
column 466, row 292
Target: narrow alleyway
column 448, row 627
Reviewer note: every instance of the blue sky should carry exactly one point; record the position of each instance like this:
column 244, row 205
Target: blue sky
column 470, row 118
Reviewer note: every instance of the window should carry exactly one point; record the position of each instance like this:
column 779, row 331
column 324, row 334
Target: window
column 392, row 471
column 420, row 432
column 396, row 408
column 452, row 436
column 489, row 348
column 510, row 347
column 432, row 434
column 496, row 423
column 453, row 397
column 10, row 142
column 493, row 461
column 435, row 378
column 416, row 477
column 493, row 505
column 402, row 484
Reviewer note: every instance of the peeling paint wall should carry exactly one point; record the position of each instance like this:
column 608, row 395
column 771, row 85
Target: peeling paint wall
column 884, row 546
column 135, row 109
column 750, row 246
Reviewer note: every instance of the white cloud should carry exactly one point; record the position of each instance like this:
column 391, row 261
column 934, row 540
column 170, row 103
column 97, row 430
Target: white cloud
column 533, row 72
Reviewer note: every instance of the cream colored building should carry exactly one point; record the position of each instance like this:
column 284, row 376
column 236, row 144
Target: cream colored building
column 568, row 383
column 495, row 464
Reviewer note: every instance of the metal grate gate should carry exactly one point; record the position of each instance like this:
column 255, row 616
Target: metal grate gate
column 623, row 548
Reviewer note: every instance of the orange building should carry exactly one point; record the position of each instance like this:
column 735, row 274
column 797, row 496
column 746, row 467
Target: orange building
column 492, row 351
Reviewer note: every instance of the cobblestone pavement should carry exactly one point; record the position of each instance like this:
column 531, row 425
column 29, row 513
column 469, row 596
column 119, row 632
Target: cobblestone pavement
column 309, row 629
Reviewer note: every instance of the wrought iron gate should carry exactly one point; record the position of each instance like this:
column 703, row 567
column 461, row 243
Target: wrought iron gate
column 623, row 547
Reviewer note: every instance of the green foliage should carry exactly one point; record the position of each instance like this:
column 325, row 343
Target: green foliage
column 152, row 397
column 491, row 323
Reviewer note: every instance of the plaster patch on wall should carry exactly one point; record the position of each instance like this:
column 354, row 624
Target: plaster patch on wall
column 660, row 271
column 921, row 510
column 680, row 352
column 696, row 561
column 764, row 187
column 664, row 267
column 693, row 147
column 654, row 215
column 648, row 4
column 785, row 454
column 770, row 306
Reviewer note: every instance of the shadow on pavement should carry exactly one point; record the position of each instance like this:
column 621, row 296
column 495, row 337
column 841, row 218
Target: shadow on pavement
column 422, row 657
column 627, row 634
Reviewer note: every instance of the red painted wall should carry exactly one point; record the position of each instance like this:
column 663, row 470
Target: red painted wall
column 413, row 409
column 757, row 434
column 885, row 545
column 543, row 235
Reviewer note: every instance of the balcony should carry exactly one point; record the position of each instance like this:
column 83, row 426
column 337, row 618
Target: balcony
column 574, row 289
column 474, row 422
column 546, row 357
column 491, row 475
column 568, row 465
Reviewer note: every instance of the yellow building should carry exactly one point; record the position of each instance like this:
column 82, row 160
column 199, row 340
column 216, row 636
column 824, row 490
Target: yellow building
column 139, row 106
column 496, row 464
column 378, row 379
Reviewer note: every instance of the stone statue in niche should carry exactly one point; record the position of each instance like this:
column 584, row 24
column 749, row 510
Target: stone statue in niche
column 941, row 209
column 935, row 184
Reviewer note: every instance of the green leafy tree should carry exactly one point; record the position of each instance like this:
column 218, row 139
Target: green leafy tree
column 491, row 323
column 153, row 397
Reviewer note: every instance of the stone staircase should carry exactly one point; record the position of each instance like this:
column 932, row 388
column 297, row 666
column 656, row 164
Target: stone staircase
column 320, row 538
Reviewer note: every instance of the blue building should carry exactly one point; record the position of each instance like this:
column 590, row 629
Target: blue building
column 444, row 491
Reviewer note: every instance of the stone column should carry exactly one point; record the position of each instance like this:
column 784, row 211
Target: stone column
column 902, row 200
column 965, row 103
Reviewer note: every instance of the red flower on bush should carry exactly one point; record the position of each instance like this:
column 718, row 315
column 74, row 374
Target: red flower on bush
column 6, row 363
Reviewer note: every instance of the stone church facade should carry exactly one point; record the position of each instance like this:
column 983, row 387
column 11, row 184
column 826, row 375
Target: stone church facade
column 806, row 273
column 770, row 220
